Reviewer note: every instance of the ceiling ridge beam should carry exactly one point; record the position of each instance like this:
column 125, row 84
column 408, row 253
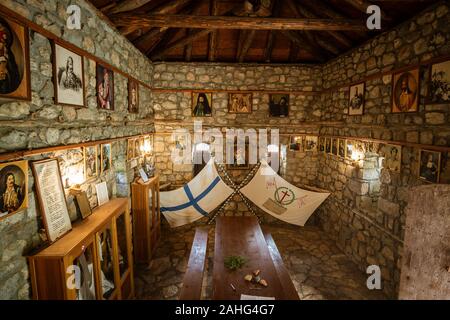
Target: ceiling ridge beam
column 229, row 22
column 214, row 10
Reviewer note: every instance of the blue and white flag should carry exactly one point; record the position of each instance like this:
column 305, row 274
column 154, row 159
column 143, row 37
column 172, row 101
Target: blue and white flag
column 195, row 199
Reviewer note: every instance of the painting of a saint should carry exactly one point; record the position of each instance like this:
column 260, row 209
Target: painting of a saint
column 342, row 147
column 13, row 187
column 356, row 102
column 105, row 88
column 310, row 143
column 133, row 96
column 201, row 104
column 14, row 60
column 405, row 91
column 90, row 162
column 327, row 145
column 106, row 157
column 429, row 165
column 334, row 146
column 69, row 87
column 240, row 103
column 392, row 157
column 296, row 143
column 279, row 105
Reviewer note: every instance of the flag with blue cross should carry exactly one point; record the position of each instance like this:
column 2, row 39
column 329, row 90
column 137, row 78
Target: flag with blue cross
column 195, row 199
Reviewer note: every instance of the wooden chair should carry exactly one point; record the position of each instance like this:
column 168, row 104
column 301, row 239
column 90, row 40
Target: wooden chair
column 193, row 278
column 283, row 273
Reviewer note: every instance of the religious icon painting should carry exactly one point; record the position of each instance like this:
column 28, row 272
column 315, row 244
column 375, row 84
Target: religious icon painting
column 240, row 102
column 341, row 148
column 405, row 91
column 429, row 165
column 356, row 99
column 334, row 146
column 311, row 143
column 14, row 60
column 439, row 83
column 90, row 162
column 296, row 143
column 392, row 157
column 13, row 187
column 68, row 77
column 133, row 96
column 349, row 149
column 106, row 157
column 322, row 144
column 137, row 148
column 105, row 87
column 279, row 105
column 130, row 149
column 327, row 145
column 444, row 174
column 201, row 104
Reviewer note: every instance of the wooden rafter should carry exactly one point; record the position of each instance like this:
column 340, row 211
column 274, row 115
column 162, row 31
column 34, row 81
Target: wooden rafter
column 160, row 44
column 293, row 52
column 227, row 22
column 130, row 5
column 276, row 7
column 302, row 42
column 214, row 10
column 246, row 45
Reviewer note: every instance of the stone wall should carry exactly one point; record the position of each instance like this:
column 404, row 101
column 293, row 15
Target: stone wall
column 42, row 123
column 370, row 227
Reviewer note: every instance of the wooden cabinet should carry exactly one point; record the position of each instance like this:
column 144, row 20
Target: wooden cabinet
column 146, row 218
column 93, row 261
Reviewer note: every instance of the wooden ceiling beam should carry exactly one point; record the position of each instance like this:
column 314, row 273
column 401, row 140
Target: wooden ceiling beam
column 246, row 45
column 157, row 54
column 213, row 10
column 271, row 37
column 293, row 52
column 227, row 22
column 130, row 5
column 160, row 44
column 302, row 42
column 362, row 5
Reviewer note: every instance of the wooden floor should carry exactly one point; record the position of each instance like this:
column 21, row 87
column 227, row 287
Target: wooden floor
column 319, row 270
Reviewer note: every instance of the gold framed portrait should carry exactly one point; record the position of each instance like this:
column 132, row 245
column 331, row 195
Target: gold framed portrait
column 405, row 91
column 13, row 187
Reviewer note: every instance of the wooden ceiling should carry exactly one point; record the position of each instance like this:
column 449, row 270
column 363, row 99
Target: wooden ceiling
column 262, row 31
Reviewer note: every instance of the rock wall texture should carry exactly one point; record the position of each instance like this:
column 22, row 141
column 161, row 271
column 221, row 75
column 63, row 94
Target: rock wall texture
column 370, row 227
column 42, row 123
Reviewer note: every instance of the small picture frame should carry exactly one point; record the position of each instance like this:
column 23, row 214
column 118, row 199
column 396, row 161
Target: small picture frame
column 13, row 187
column 106, row 157
column 133, row 96
column 356, row 99
column 143, row 175
column 392, row 157
column 322, row 144
column 334, row 146
column 91, row 167
column 341, row 148
column 327, row 145
column 349, row 149
column 104, row 88
column 439, row 83
column 201, row 104
column 296, row 143
column 240, row 102
column 405, row 91
column 130, row 149
column 311, row 143
column 102, row 193
column 279, row 105
column 429, row 165
column 83, row 204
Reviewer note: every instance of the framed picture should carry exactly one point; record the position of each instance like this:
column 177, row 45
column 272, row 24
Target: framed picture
column 240, row 102
column 327, row 145
column 90, row 162
column 201, row 104
column 130, row 149
column 105, row 87
column 444, row 174
column 430, row 163
column 356, row 99
column 322, row 144
column 68, row 77
column 13, row 187
column 133, row 96
column 106, row 161
column 137, row 148
column 241, row 158
column 51, row 198
column 83, row 204
column 392, row 157
column 439, row 83
column 341, row 148
column 14, row 60
column 334, row 146
column 296, row 143
column 311, row 143
column 143, row 175
column 279, row 105
column 102, row 193
column 405, row 91
column 349, row 149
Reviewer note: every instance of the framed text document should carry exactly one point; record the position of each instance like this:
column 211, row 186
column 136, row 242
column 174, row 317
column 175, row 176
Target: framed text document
column 51, row 198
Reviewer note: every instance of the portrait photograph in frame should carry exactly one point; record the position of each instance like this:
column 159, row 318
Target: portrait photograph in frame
column 296, row 143
column 15, row 58
column 133, row 96
column 429, row 165
column 279, row 105
column 106, row 157
column 104, row 87
column 51, row 198
column 240, row 102
column 130, row 149
column 439, row 83
column 327, row 145
column 91, row 167
column 201, row 104
column 13, row 187
column 392, row 157
column 342, row 148
column 310, row 143
column 356, row 99
column 68, row 77
column 405, row 91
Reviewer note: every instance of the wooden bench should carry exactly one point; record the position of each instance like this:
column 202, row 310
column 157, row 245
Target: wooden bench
column 193, row 278
column 282, row 272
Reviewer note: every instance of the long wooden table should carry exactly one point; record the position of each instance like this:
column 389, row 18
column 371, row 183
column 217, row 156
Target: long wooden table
column 242, row 236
